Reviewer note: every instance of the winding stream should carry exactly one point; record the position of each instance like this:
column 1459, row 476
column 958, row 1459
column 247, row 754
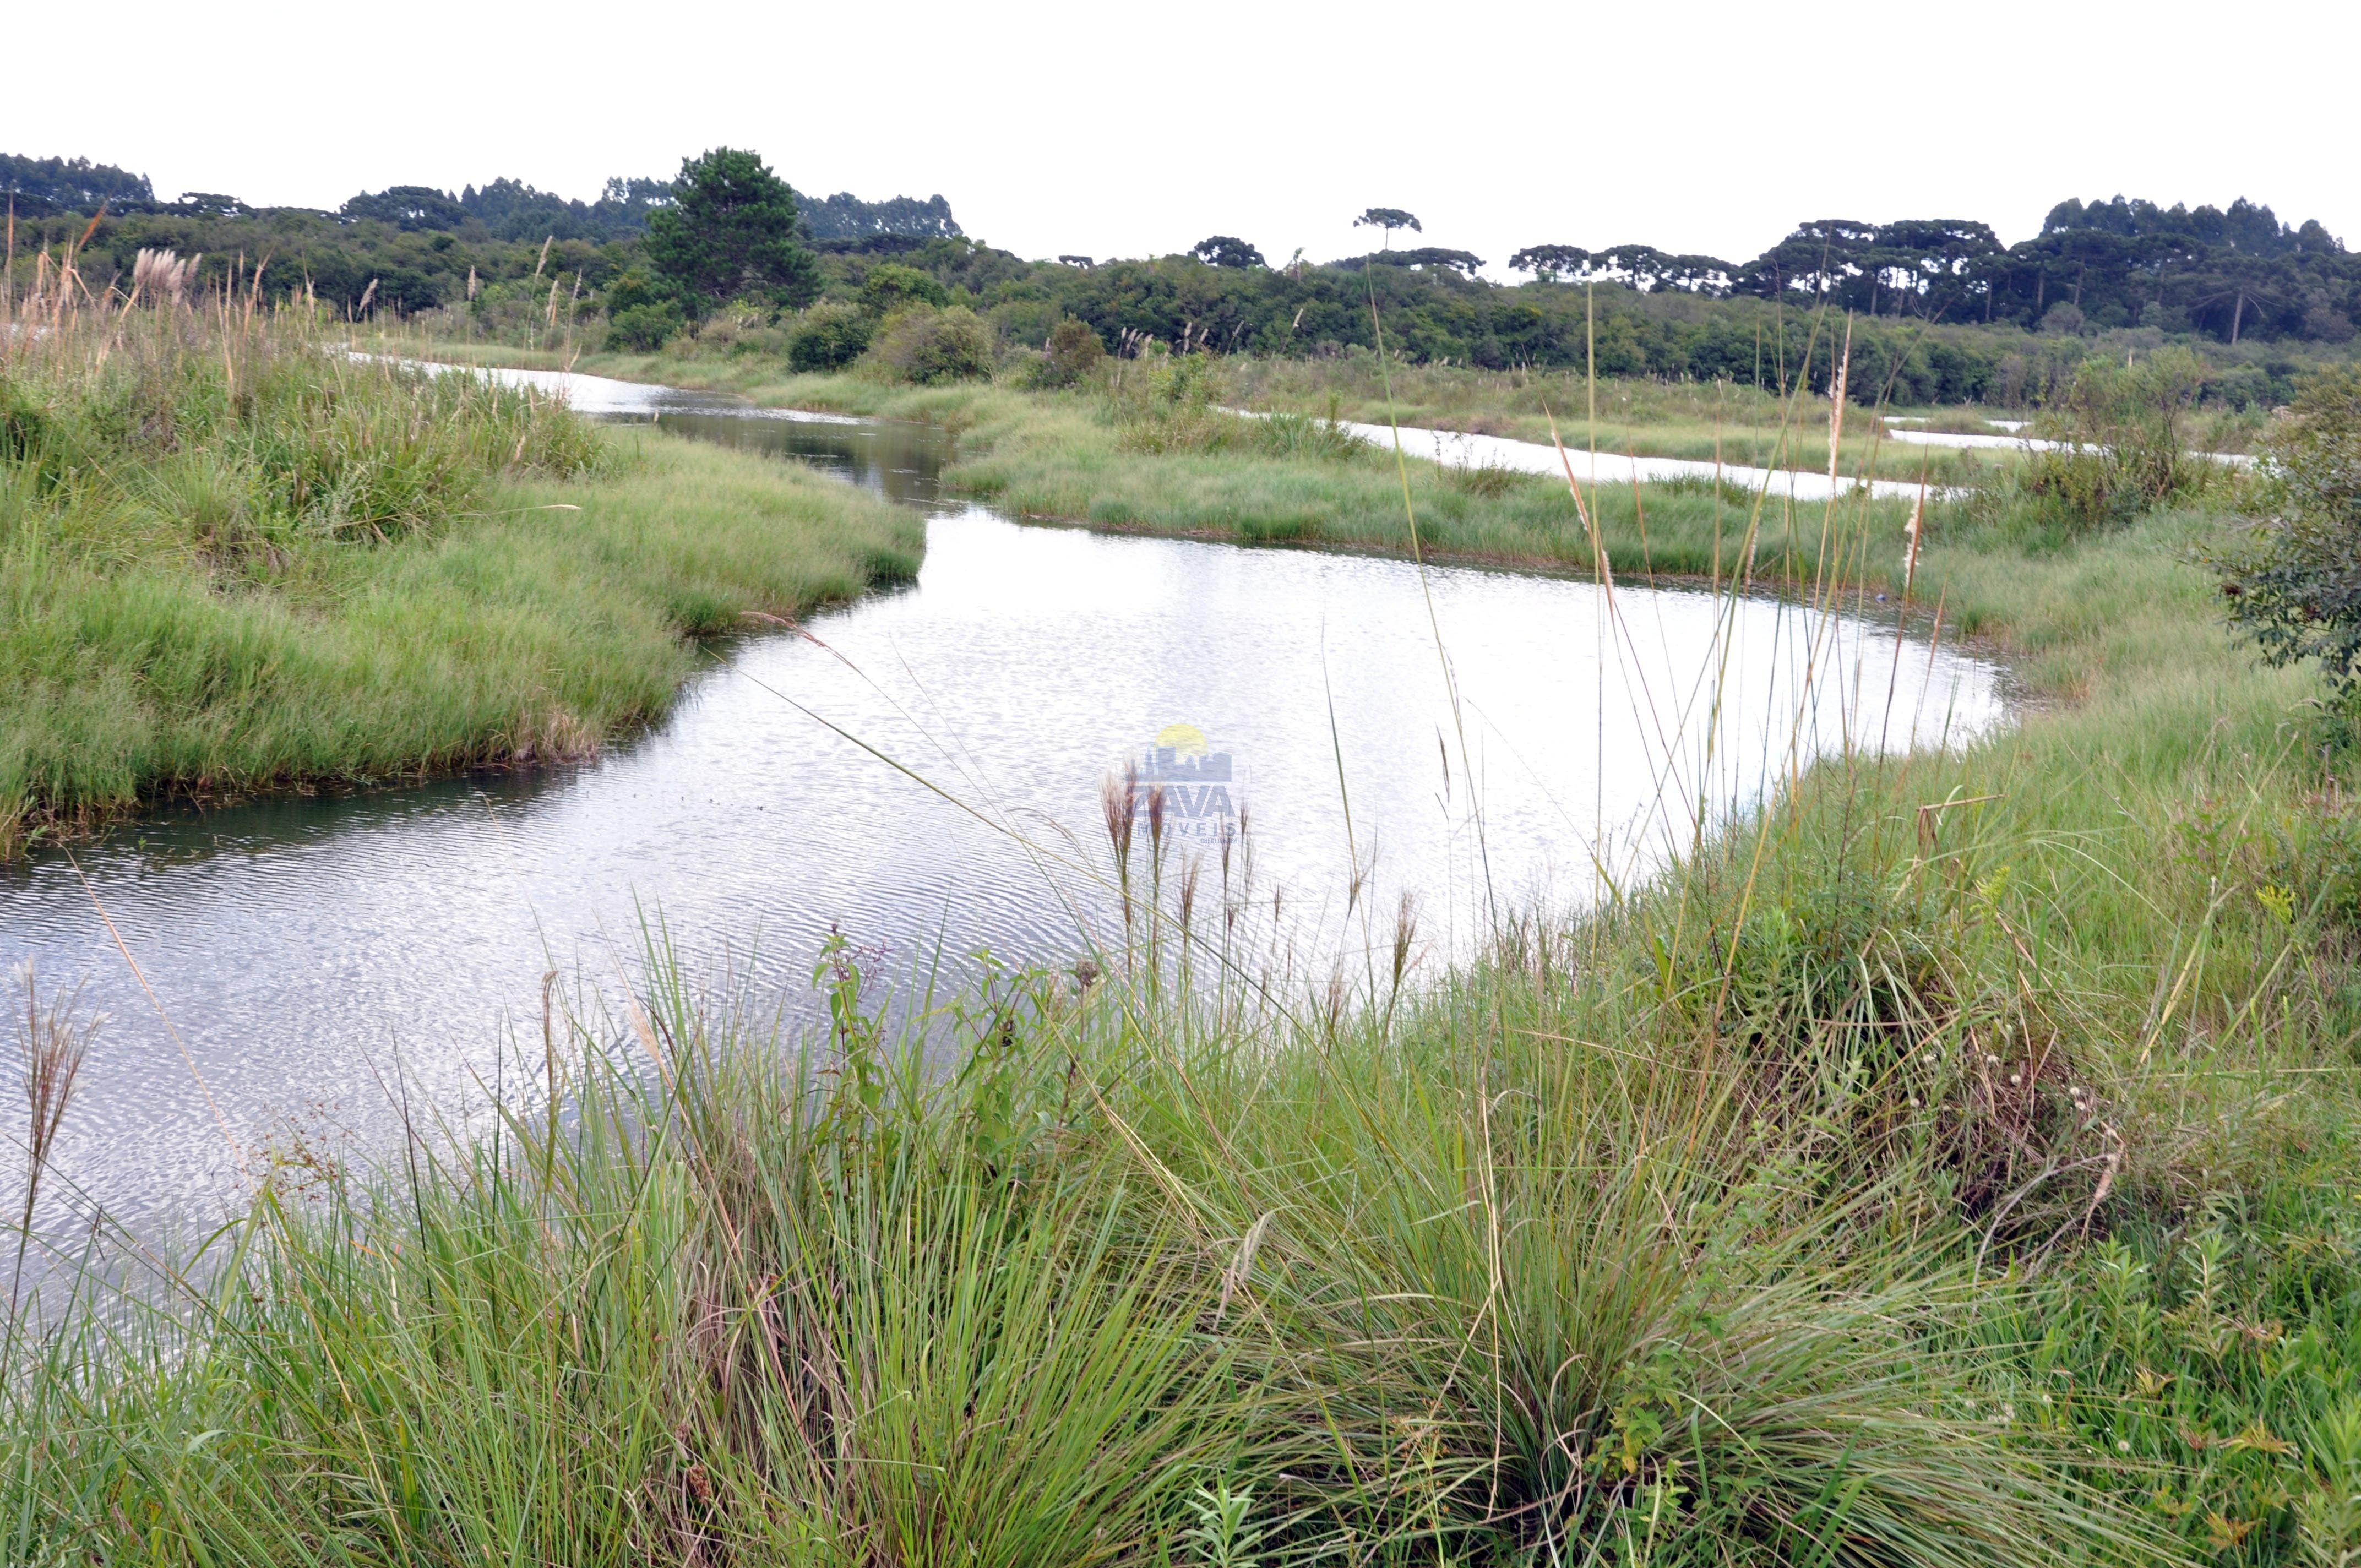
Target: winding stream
column 312, row 949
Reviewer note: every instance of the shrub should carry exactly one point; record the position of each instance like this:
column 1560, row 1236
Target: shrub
column 515, row 310
column 1176, row 406
column 926, row 347
column 645, row 328
column 1071, row 354
column 2123, row 449
column 2294, row 580
column 892, row 287
column 828, row 336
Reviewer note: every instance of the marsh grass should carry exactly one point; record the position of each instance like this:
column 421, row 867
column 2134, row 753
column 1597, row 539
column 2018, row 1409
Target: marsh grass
column 1161, row 456
column 1434, row 1287
column 232, row 556
column 1949, row 1164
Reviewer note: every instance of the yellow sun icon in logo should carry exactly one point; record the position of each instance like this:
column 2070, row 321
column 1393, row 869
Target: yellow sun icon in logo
column 1186, row 740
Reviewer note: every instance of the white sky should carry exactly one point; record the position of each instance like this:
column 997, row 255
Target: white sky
column 1125, row 130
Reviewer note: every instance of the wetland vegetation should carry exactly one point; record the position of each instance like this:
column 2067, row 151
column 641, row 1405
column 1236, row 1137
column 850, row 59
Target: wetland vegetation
column 236, row 558
column 1951, row 1165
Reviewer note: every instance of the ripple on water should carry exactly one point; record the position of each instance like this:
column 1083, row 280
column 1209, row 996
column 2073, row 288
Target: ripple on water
column 312, row 948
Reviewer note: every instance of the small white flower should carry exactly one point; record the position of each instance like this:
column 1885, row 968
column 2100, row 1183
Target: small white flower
column 2015, row 1078
column 2123, row 1445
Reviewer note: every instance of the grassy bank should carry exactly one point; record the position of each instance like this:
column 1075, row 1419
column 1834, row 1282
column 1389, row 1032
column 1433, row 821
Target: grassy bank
column 1666, row 419
column 230, row 560
column 1143, row 454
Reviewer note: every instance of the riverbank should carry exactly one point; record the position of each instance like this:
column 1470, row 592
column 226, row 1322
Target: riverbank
column 1952, row 1166
column 1156, row 454
column 352, row 576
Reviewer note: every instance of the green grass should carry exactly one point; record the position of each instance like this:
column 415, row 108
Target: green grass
column 1121, row 460
column 1954, row 1165
column 1437, row 1288
column 1664, row 419
column 345, row 574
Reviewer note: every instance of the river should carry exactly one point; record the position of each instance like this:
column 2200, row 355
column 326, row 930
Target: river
column 320, row 954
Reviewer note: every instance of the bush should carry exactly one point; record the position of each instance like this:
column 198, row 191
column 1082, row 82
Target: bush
column 2123, row 450
column 742, row 328
column 1072, row 353
column 892, row 287
column 1175, row 405
column 2294, row 581
column 516, row 310
column 828, row 336
column 926, row 347
column 645, row 328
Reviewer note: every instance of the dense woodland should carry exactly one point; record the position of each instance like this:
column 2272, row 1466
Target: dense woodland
column 1944, row 312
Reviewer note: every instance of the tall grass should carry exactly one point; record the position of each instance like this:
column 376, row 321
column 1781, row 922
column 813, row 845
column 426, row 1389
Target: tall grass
column 233, row 555
column 1950, row 1165
column 1436, row 1289
column 2083, row 995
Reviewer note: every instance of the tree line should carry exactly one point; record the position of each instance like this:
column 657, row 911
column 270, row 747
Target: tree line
column 2228, row 274
column 503, row 209
column 1943, row 312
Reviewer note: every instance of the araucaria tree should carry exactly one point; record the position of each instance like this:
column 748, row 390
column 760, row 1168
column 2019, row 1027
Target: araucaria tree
column 1226, row 250
column 730, row 232
column 1388, row 219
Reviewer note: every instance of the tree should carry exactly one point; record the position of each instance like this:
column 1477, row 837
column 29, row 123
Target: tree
column 1463, row 261
column 2294, row 584
column 730, row 231
column 1226, row 250
column 892, row 287
column 75, row 184
column 408, row 206
column 1646, row 268
column 1388, row 219
column 1547, row 261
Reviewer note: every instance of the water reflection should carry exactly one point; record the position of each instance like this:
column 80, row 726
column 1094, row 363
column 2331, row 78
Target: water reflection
column 310, row 948
column 901, row 462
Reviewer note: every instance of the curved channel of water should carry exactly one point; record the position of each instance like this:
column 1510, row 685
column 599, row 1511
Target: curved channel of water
column 312, row 949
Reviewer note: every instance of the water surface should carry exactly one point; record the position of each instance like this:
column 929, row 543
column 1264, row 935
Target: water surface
column 313, row 949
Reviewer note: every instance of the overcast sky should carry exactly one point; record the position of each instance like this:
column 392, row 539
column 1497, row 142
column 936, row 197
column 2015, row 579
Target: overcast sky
column 1127, row 130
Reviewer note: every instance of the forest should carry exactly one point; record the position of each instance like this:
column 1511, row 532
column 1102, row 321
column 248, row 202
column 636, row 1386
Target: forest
column 1948, row 313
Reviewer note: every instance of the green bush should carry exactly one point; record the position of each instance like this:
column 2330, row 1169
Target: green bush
column 2294, row 580
column 892, row 287
column 2123, row 449
column 645, row 328
column 828, row 336
column 1175, row 405
column 928, row 347
column 1072, row 355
